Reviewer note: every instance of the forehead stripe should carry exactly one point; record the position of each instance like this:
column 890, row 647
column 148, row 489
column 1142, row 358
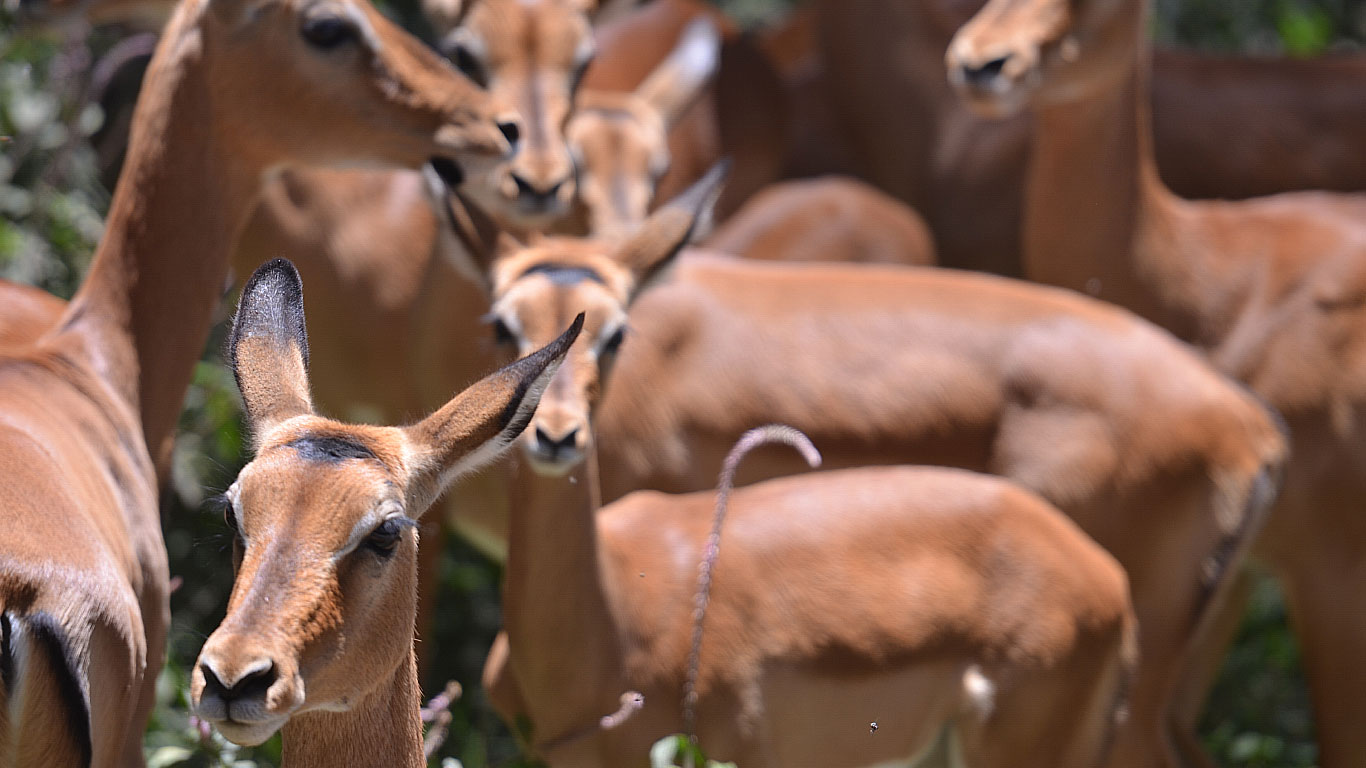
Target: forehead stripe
column 329, row 448
column 565, row 274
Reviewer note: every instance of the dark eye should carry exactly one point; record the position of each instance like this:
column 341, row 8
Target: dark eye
column 502, row 334
column 329, row 31
column 469, row 65
column 385, row 537
column 613, row 342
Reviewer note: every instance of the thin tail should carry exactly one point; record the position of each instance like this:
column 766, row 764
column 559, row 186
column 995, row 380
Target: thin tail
column 772, row 433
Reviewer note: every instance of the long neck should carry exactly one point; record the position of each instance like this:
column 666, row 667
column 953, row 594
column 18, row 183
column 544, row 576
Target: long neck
column 142, row 316
column 1097, row 217
column 383, row 729
column 562, row 634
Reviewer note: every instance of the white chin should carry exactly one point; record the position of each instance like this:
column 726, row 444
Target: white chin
column 248, row 734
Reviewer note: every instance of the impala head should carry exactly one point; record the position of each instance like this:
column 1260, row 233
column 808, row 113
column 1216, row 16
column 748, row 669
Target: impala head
column 357, row 89
column 535, row 286
column 531, row 54
column 1016, row 51
column 324, row 516
column 620, row 141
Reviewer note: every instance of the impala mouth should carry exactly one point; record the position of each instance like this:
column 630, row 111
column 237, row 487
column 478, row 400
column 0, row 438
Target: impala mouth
column 450, row 172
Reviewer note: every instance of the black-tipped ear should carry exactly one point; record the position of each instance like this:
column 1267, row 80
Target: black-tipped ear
column 268, row 346
column 673, row 226
column 481, row 422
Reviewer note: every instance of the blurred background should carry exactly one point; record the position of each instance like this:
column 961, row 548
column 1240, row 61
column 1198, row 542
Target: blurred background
column 52, row 202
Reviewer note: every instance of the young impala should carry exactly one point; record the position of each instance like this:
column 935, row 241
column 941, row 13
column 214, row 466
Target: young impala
column 1274, row 289
column 318, row 636
column 237, row 89
column 1100, row 413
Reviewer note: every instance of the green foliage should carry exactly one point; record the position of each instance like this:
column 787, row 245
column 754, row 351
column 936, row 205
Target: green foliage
column 679, row 751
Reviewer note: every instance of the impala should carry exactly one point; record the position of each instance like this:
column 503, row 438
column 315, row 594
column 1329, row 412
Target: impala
column 1227, row 121
column 1100, row 413
column 86, row 405
column 944, row 611
column 1271, row 288
column 318, row 637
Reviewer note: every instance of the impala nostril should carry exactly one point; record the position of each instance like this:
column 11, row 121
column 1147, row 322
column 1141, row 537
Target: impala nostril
column 252, row 681
column 985, row 73
column 511, row 131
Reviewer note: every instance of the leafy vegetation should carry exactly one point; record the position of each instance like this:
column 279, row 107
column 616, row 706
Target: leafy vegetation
column 51, row 206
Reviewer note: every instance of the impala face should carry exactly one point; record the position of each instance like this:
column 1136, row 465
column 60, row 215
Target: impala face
column 363, row 91
column 328, row 558
column 1014, row 51
column 621, row 147
column 534, row 287
column 530, row 54
column 324, row 517
column 620, row 141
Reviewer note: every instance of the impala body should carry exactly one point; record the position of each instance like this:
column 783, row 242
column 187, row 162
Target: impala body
column 88, row 406
column 1271, row 288
column 1100, row 413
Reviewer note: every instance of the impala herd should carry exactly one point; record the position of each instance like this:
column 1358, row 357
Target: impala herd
column 603, row 197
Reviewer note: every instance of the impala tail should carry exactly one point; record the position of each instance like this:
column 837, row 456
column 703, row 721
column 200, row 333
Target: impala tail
column 44, row 717
column 771, row 433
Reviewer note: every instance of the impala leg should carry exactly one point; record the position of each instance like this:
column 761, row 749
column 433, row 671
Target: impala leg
column 1324, row 595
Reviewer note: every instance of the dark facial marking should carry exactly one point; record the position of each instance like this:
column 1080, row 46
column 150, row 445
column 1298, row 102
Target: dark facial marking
column 329, row 449
column 565, row 274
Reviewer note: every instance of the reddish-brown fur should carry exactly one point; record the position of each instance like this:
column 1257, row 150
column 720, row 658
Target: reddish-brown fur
column 1242, row 126
column 83, row 402
column 318, row 637
column 1272, row 288
column 1092, row 408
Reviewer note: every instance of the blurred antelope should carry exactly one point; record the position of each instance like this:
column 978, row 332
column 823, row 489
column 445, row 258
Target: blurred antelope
column 1100, row 413
column 83, row 575
column 1223, row 124
column 318, row 637
column 1272, row 288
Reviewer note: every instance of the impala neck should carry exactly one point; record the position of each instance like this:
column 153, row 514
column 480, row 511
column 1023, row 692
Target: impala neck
column 1098, row 219
column 561, row 630
column 384, row 729
column 142, row 316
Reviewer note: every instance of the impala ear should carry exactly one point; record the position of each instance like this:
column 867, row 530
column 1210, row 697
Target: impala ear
column 481, row 422
column 654, row 244
column 678, row 81
column 268, row 346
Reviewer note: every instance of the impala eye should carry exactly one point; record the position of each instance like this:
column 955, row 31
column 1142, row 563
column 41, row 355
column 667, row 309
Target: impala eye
column 386, row 535
column 328, row 32
column 614, row 341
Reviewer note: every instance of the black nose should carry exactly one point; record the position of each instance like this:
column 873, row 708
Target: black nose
column 553, row 446
column 252, row 683
column 510, row 131
column 529, row 193
column 985, row 73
